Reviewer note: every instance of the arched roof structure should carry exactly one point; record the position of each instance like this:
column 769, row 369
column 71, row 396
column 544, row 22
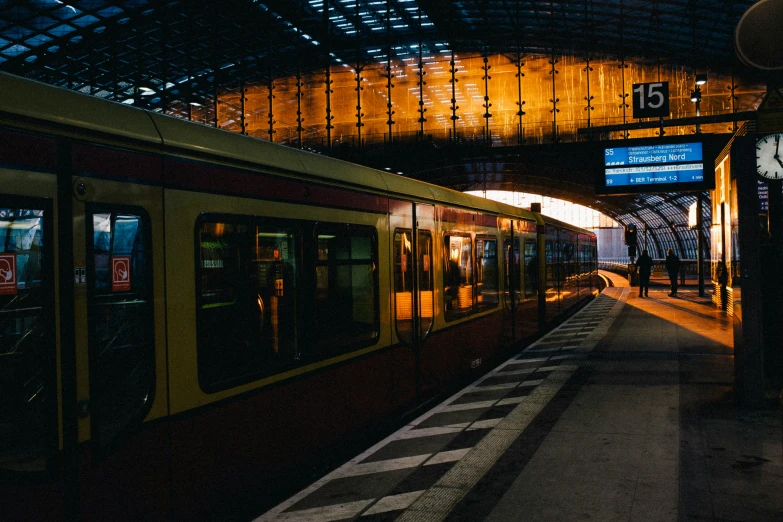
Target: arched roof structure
column 173, row 49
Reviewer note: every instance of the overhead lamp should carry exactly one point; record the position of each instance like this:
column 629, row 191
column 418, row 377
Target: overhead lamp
column 696, row 96
column 701, row 79
column 146, row 91
column 196, row 104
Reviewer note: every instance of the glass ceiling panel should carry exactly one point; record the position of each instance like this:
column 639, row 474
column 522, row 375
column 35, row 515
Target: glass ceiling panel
column 85, row 21
column 42, row 22
column 66, row 13
column 15, row 50
column 38, row 40
column 109, row 12
column 61, row 30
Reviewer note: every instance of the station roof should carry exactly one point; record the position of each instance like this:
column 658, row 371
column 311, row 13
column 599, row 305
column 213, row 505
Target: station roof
column 99, row 44
column 117, row 48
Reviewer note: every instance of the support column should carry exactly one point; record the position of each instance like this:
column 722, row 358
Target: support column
column 299, row 118
column 164, row 62
column 215, row 68
column 242, row 100
column 520, row 102
column 554, row 100
column 487, row 115
column 421, row 83
column 359, row 87
column 733, row 99
column 328, row 80
column 749, row 309
column 700, row 241
column 270, row 114
column 623, row 95
column 389, row 75
column 589, row 98
column 773, row 330
column 453, row 81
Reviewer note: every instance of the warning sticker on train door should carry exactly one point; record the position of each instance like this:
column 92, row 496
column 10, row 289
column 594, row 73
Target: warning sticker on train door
column 120, row 274
column 7, row 274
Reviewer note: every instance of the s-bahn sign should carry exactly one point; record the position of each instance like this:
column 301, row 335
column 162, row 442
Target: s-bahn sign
column 651, row 100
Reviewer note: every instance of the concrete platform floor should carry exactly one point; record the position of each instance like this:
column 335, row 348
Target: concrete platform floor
column 624, row 413
column 653, row 432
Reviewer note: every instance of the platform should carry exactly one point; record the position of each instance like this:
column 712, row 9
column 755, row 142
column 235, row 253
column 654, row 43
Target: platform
column 623, row 413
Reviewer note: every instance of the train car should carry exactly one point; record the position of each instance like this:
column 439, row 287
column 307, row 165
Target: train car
column 187, row 315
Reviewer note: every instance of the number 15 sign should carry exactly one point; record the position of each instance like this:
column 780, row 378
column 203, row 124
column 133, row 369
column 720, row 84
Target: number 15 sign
column 651, row 100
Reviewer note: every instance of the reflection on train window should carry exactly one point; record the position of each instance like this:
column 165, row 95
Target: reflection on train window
column 247, row 291
column 120, row 321
column 346, row 291
column 28, row 392
column 403, row 283
column 531, row 268
column 487, row 272
column 458, row 276
column 511, row 267
column 552, row 257
column 426, row 283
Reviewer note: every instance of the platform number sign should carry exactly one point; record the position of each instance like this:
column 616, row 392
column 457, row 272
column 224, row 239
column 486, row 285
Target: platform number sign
column 651, row 100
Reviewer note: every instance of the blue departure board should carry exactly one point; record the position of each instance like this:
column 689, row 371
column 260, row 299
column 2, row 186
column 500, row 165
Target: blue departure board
column 679, row 164
column 662, row 164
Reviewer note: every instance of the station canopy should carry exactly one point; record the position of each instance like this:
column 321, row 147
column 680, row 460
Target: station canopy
column 151, row 52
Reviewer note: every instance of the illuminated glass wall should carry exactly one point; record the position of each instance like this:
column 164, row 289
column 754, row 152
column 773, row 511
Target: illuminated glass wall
column 566, row 82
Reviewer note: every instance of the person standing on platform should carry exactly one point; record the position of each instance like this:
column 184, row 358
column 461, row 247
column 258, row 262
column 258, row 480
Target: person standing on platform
column 673, row 267
column 644, row 263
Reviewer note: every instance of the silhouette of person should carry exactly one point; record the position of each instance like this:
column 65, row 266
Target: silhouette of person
column 673, row 267
column 644, row 264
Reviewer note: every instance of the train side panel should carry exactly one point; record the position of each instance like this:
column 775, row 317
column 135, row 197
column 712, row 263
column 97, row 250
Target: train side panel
column 231, row 439
column 120, row 336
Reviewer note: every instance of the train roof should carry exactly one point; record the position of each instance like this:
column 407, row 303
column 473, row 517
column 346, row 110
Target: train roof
column 40, row 107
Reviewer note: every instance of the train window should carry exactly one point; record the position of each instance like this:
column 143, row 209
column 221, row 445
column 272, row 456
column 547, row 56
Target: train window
column 120, row 320
column 551, row 264
column 486, row 272
column 28, row 384
column 346, row 312
column 458, row 276
column 426, row 283
column 246, row 279
column 403, row 283
column 531, row 268
column 511, row 267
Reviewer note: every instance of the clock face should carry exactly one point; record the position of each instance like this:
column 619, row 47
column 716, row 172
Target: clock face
column 769, row 156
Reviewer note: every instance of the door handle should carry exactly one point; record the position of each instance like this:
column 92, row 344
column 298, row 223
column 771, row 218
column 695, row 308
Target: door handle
column 83, row 408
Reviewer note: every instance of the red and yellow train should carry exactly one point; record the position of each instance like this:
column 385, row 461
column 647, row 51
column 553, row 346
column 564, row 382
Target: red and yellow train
column 187, row 313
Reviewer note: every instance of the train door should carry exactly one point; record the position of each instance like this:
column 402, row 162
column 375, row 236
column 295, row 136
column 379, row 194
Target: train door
column 31, row 482
column 412, row 229
column 511, row 281
column 119, row 347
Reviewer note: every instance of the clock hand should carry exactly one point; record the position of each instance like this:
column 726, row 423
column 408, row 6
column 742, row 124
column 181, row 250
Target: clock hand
column 777, row 155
